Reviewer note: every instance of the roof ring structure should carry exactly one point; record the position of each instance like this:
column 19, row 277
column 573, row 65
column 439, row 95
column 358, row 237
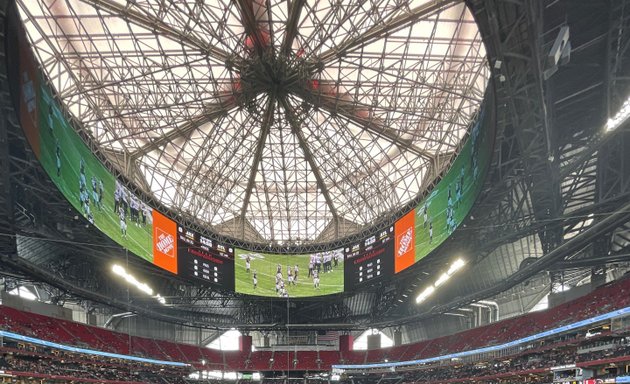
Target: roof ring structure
column 281, row 121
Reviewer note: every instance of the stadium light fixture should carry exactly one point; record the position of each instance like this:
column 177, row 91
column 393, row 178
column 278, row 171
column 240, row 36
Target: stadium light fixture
column 620, row 118
column 456, row 266
column 426, row 293
column 442, row 279
column 129, row 278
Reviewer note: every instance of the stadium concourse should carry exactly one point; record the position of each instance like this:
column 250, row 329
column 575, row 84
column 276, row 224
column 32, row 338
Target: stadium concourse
column 284, row 192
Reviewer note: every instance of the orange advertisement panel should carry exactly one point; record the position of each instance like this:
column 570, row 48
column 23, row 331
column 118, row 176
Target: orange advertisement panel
column 164, row 242
column 29, row 86
column 404, row 229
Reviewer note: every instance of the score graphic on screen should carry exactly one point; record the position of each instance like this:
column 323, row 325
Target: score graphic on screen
column 203, row 259
column 370, row 259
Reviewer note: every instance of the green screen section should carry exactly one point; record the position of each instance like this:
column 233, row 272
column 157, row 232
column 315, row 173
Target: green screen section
column 88, row 185
column 444, row 209
column 266, row 265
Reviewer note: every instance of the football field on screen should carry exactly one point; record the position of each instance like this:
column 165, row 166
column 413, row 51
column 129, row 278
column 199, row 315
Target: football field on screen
column 266, row 265
column 66, row 178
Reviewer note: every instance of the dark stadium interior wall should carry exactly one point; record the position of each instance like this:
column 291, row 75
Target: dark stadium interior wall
column 558, row 298
column 497, row 266
column 513, row 302
column 523, row 297
column 36, row 307
column 442, row 325
column 140, row 326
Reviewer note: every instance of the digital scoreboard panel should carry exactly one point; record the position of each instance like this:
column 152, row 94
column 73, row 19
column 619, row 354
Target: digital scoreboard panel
column 205, row 260
column 370, row 259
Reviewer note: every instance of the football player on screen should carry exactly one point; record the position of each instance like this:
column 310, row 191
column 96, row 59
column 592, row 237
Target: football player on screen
column 82, row 179
column 50, row 118
column 117, row 196
column 95, row 196
column 101, row 191
column 425, row 214
column 123, row 222
column 58, row 157
column 316, row 279
column 255, row 279
column 247, row 261
column 310, row 267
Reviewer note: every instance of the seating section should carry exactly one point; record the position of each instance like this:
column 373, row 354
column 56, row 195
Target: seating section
column 41, row 364
column 529, row 366
column 604, row 299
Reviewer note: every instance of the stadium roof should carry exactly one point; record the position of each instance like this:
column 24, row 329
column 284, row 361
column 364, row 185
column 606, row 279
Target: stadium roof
column 286, row 118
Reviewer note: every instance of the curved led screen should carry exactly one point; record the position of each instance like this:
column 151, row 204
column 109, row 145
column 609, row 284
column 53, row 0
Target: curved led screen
column 74, row 169
column 115, row 210
column 427, row 226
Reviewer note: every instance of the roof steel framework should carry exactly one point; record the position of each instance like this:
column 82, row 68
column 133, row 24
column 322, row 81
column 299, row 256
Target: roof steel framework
column 287, row 117
column 507, row 240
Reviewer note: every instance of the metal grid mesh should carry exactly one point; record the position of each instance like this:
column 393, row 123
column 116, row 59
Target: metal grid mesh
column 290, row 114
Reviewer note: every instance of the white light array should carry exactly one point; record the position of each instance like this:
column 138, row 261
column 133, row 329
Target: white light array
column 456, row 266
column 221, row 375
column 444, row 277
column 426, row 293
column 620, row 117
column 120, row 271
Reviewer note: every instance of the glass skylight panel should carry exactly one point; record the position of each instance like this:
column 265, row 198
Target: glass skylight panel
column 174, row 85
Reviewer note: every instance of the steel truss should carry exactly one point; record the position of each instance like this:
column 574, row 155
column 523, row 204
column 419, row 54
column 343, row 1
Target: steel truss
column 285, row 119
column 557, row 193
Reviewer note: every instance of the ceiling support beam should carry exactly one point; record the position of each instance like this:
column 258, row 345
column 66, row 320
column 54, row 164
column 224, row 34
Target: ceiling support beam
column 159, row 26
column 212, row 113
column 250, row 23
column 258, row 154
column 381, row 30
column 346, row 109
column 295, row 11
column 618, row 257
column 308, row 155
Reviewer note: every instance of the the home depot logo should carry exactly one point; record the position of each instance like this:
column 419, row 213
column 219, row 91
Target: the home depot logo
column 405, row 242
column 165, row 243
